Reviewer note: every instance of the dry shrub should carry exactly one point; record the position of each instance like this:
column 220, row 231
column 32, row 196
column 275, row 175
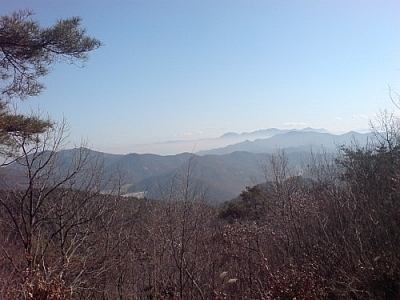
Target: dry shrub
column 37, row 286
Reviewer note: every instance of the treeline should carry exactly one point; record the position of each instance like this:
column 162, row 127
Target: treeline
column 331, row 232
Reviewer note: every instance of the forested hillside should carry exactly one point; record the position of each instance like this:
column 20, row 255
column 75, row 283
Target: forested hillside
column 223, row 176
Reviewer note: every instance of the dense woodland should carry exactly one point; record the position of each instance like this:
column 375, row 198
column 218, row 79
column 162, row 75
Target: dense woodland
column 330, row 231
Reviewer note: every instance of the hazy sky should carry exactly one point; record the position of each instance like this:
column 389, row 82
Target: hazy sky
column 172, row 70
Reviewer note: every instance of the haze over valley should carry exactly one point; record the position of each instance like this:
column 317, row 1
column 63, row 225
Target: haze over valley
column 222, row 172
column 232, row 141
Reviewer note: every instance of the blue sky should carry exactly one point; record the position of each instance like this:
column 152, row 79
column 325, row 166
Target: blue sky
column 172, row 70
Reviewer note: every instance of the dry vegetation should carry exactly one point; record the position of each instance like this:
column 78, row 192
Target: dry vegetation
column 331, row 233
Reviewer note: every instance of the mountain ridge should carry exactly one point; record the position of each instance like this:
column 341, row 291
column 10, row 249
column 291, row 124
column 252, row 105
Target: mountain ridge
column 204, row 144
column 293, row 139
column 223, row 172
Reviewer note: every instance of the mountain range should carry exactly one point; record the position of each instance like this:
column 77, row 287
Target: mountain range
column 293, row 140
column 222, row 172
column 178, row 146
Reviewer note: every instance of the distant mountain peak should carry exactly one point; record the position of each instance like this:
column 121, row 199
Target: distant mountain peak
column 270, row 131
column 229, row 135
column 310, row 129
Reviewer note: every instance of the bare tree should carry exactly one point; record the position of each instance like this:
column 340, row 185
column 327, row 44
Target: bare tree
column 51, row 212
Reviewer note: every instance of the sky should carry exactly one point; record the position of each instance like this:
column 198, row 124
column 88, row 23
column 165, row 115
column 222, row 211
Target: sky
column 187, row 70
